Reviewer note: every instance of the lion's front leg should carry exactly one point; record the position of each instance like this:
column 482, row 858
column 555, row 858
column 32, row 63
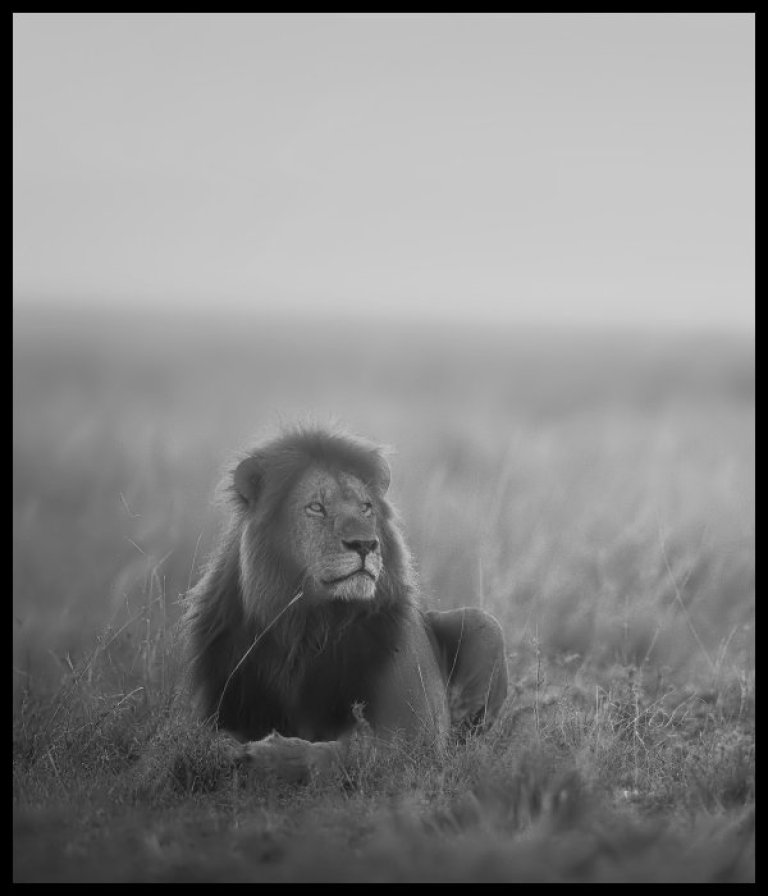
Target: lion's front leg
column 469, row 645
column 291, row 758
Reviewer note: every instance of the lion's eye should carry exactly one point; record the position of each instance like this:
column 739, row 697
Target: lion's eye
column 316, row 508
column 367, row 508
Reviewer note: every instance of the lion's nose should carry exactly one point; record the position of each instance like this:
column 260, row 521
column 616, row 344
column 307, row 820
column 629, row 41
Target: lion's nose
column 361, row 547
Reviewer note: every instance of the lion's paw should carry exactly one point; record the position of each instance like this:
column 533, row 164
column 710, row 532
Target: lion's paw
column 291, row 758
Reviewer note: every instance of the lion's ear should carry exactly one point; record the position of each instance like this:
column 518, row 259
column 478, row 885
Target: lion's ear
column 248, row 478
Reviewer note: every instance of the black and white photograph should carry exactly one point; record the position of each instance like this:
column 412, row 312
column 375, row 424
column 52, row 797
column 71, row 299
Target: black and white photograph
column 383, row 447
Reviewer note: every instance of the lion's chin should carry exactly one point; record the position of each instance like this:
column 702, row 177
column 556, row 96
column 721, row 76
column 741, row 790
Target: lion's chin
column 356, row 587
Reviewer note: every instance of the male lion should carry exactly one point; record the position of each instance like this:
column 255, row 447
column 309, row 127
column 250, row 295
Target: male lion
column 308, row 609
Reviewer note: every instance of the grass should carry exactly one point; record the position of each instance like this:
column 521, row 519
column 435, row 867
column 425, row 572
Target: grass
column 595, row 494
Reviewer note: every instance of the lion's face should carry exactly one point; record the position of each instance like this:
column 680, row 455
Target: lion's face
column 332, row 521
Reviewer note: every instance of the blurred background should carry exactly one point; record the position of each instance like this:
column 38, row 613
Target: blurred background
column 519, row 249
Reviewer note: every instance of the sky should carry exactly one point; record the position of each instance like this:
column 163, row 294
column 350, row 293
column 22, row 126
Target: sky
column 553, row 168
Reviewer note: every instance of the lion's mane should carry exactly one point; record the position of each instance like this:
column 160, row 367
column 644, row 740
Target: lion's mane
column 262, row 661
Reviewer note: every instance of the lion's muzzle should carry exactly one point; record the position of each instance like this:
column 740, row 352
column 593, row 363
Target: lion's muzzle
column 350, row 575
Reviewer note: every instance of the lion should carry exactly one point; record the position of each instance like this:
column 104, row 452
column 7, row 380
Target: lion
column 307, row 620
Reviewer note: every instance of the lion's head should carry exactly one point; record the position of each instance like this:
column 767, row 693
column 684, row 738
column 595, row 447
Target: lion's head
column 315, row 519
column 326, row 531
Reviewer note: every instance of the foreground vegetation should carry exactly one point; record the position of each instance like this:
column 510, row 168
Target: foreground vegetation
column 597, row 498
column 632, row 787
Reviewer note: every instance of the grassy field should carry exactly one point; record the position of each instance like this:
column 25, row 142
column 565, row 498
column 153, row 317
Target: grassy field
column 594, row 491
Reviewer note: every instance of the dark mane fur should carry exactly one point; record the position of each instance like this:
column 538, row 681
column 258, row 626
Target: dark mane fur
column 257, row 664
